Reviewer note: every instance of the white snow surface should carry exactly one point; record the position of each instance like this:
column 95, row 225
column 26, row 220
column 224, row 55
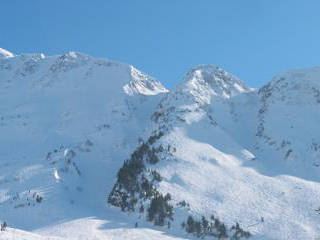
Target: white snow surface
column 68, row 122
column 5, row 53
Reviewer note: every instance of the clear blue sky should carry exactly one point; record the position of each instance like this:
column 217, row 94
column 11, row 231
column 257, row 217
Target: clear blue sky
column 253, row 39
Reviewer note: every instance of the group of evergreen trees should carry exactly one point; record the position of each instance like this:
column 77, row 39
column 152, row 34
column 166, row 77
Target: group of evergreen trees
column 183, row 204
column 128, row 175
column 135, row 182
column 214, row 227
column 160, row 209
column 39, row 198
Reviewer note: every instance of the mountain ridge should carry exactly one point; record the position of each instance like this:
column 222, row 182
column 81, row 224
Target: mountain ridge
column 87, row 131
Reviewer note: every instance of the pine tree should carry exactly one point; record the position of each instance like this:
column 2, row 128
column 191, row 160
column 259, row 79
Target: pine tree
column 190, row 228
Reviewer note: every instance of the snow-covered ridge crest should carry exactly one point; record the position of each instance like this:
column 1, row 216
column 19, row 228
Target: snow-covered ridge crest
column 69, row 123
column 143, row 84
column 5, row 53
column 205, row 81
column 300, row 86
column 49, row 70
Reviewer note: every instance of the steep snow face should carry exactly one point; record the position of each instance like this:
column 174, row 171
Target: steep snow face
column 67, row 123
column 288, row 119
column 5, row 53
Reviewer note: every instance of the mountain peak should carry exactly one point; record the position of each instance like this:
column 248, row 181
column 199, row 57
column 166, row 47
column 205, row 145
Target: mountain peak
column 142, row 83
column 5, row 53
column 205, row 81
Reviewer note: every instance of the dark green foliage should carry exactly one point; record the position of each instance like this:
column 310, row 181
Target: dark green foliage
column 156, row 116
column 121, row 199
column 239, row 233
column 3, row 226
column 190, row 226
column 156, row 176
column 153, row 138
column 147, row 188
column 144, row 151
column 183, row 204
column 183, row 225
column 213, row 227
column 222, row 232
column 127, row 175
column 123, row 192
column 205, row 225
column 160, row 149
column 134, row 183
column 141, row 210
column 217, row 223
column 160, row 209
column 39, row 199
column 152, row 156
column 167, row 197
column 131, row 169
column 198, row 228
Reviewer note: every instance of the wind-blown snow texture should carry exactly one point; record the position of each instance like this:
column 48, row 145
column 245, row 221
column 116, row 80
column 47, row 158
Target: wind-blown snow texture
column 69, row 122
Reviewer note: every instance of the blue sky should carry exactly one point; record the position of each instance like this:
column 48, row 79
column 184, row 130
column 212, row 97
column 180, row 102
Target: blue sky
column 253, row 39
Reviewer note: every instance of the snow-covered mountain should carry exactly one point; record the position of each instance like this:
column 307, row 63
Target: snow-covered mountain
column 97, row 145
column 66, row 122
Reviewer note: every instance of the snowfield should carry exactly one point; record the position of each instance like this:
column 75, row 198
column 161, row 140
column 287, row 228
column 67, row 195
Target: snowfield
column 5, row 53
column 68, row 123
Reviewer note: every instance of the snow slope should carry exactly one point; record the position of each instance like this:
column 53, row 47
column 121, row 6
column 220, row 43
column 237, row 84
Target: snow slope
column 68, row 123
column 90, row 230
column 288, row 119
column 220, row 165
column 5, row 53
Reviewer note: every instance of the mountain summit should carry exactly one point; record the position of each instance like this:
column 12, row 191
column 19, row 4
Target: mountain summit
column 205, row 81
